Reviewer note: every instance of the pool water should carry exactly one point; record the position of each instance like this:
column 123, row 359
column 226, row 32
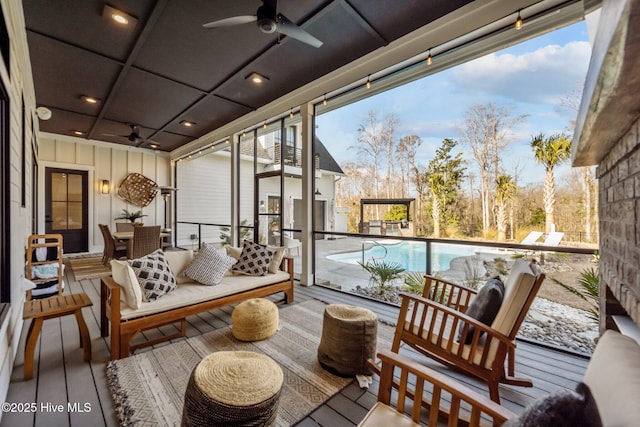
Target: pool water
column 410, row 255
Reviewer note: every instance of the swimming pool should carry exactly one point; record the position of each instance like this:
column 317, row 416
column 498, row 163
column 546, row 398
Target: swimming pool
column 410, row 255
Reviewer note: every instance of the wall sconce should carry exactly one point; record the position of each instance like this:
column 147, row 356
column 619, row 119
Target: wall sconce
column 104, row 186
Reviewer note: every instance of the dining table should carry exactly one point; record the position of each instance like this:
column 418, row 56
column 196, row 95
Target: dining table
column 128, row 235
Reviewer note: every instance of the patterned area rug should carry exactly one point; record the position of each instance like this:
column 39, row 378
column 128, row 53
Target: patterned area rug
column 148, row 388
column 88, row 268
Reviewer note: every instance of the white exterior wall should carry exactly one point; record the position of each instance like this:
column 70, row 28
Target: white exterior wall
column 204, row 194
column 104, row 161
column 19, row 85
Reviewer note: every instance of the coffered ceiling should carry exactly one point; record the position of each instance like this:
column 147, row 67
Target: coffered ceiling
column 165, row 68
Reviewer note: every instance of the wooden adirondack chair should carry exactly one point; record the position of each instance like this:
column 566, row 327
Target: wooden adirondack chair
column 431, row 324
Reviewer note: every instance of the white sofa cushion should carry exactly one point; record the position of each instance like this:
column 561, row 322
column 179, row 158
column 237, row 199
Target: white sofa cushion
column 193, row 293
column 517, row 288
column 125, row 277
column 179, row 261
column 613, row 375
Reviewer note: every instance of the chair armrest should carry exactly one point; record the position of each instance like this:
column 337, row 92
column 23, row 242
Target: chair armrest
column 448, row 293
column 441, row 393
column 437, row 320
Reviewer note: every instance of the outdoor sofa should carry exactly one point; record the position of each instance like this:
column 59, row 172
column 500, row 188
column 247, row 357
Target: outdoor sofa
column 123, row 321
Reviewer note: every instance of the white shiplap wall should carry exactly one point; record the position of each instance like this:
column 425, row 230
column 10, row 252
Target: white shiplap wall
column 19, row 85
column 104, row 161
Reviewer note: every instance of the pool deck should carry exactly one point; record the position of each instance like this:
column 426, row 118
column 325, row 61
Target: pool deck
column 347, row 276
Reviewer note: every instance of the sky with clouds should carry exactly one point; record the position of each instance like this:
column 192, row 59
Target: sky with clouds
column 533, row 78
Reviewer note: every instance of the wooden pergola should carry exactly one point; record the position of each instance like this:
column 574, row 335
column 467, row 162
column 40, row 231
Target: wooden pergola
column 401, row 201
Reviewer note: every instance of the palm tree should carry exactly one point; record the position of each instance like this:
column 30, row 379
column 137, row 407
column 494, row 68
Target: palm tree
column 550, row 152
column 505, row 191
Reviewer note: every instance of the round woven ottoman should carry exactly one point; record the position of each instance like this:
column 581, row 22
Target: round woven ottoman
column 233, row 388
column 254, row 320
column 348, row 339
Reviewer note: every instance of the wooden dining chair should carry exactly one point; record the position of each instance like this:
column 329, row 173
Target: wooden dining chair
column 145, row 240
column 112, row 248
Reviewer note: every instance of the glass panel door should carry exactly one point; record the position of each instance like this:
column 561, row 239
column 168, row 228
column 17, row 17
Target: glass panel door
column 66, row 210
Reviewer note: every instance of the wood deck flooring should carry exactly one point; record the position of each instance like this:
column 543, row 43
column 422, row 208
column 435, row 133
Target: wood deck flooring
column 61, row 377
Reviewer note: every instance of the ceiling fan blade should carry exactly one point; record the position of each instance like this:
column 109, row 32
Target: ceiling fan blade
column 229, row 22
column 113, row 134
column 290, row 29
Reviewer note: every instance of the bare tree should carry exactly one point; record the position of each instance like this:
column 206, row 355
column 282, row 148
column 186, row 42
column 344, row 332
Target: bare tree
column 486, row 131
column 407, row 149
column 571, row 102
column 374, row 146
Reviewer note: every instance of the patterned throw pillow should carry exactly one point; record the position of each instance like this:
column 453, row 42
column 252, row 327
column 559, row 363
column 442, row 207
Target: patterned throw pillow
column 209, row 266
column 254, row 260
column 154, row 275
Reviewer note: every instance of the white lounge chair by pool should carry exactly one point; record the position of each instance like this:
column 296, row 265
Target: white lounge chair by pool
column 532, row 238
column 553, row 238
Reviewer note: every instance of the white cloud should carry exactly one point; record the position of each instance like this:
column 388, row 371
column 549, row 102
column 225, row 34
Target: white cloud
column 539, row 76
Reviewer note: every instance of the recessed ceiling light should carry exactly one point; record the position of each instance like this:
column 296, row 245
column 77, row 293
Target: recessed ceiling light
column 110, row 13
column 77, row 132
column 153, row 145
column 256, row 79
column 186, row 123
column 89, row 99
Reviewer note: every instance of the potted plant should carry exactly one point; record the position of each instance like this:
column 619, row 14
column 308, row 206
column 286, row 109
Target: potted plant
column 132, row 217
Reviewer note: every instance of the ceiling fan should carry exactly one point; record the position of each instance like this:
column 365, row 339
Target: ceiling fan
column 134, row 136
column 269, row 21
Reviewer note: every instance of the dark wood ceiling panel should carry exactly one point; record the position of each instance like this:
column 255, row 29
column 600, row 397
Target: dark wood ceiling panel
column 293, row 63
column 169, row 68
column 169, row 141
column 148, row 100
column 209, row 114
column 394, row 19
column 181, row 49
column 64, row 122
column 81, row 23
column 63, row 73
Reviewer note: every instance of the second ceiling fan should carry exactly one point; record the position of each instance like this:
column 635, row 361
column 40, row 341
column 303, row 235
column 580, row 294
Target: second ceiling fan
column 269, row 21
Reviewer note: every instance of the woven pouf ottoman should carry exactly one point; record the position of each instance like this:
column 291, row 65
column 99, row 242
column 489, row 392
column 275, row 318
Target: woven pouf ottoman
column 233, row 388
column 348, row 339
column 254, row 320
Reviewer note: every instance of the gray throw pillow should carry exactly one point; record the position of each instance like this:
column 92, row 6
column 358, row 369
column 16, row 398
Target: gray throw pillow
column 484, row 307
column 209, row 266
column 564, row 408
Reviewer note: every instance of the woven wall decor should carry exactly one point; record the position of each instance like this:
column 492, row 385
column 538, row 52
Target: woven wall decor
column 137, row 189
